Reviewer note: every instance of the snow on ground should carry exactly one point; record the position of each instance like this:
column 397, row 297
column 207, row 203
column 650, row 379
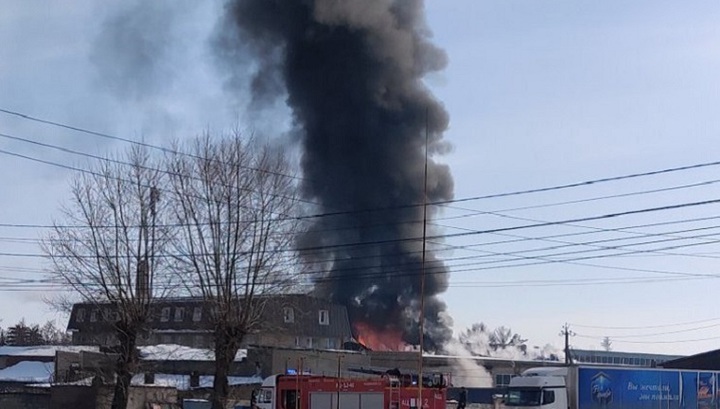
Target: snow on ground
column 43, row 350
column 182, row 382
column 26, row 371
column 171, row 352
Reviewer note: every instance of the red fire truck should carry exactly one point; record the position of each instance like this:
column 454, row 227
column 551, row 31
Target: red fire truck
column 323, row 392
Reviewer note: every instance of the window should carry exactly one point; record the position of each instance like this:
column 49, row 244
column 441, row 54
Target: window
column 523, row 397
column 324, row 317
column 309, row 342
column 199, row 341
column 288, row 315
column 330, row 343
column 80, row 317
column 179, row 314
column 165, row 314
column 548, row 397
column 265, row 396
column 197, row 314
column 502, row 380
column 297, row 341
column 167, row 339
column 93, row 315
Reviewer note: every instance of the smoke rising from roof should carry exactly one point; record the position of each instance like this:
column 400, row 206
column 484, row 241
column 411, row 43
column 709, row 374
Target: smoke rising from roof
column 351, row 72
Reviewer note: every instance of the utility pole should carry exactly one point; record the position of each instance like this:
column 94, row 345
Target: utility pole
column 567, row 333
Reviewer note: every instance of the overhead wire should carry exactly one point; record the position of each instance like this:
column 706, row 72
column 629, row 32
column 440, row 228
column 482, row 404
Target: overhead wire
column 573, row 185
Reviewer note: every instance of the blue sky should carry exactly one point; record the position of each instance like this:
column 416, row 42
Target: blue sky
column 540, row 93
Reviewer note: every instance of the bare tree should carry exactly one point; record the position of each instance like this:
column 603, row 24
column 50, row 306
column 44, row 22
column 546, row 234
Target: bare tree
column 107, row 250
column 503, row 338
column 235, row 203
column 606, row 344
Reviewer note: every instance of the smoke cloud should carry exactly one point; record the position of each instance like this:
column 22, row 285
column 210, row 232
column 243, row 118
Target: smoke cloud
column 351, row 72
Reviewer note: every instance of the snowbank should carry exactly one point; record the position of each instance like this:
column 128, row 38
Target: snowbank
column 171, row 352
column 182, row 382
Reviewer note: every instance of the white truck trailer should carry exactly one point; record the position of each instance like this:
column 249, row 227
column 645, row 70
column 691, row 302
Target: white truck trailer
column 613, row 387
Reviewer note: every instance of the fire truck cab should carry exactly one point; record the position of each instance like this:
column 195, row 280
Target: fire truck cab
column 323, row 392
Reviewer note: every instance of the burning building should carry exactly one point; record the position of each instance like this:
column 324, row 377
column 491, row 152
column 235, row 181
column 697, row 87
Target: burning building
column 352, row 73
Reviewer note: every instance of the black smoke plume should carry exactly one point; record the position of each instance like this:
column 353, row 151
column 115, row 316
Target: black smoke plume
column 352, row 71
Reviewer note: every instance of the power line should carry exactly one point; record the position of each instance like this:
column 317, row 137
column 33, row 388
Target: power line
column 118, row 138
column 124, row 163
column 682, row 331
column 677, row 324
column 475, row 198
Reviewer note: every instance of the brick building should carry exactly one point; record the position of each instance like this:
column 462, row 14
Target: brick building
column 294, row 320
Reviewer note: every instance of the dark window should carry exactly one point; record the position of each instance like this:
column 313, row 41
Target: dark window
column 548, row 397
column 93, row 315
column 289, row 398
column 288, row 315
column 165, row 314
column 179, row 314
column 80, row 315
column 324, row 317
column 523, row 397
column 502, row 380
column 197, row 314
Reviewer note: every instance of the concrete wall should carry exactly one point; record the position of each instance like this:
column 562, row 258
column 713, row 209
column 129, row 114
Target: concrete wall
column 89, row 397
column 25, row 400
column 239, row 395
column 317, row 361
column 72, row 396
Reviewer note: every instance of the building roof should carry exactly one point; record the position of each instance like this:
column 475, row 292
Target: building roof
column 635, row 359
column 709, row 361
column 29, row 372
column 42, row 350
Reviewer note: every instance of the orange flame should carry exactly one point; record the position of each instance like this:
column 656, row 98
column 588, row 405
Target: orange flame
column 386, row 340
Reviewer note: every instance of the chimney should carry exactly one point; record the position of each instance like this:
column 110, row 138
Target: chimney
column 142, row 282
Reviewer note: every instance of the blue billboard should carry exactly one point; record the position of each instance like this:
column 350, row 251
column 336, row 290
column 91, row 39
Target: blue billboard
column 605, row 388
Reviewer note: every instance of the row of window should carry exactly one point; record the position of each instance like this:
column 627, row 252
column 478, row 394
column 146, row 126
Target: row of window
column 178, row 315
column 616, row 360
column 107, row 313
column 289, row 316
column 165, row 314
column 310, row 342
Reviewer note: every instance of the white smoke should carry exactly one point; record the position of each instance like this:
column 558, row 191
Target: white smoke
column 467, row 372
column 478, row 342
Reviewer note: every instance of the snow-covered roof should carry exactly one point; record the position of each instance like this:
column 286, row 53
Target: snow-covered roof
column 171, row 352
column 182, row 382
column 26, row 371
column 43, row 350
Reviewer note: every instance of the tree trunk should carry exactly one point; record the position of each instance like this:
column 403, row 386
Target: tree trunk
column 125, row 367
column 226, row 347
